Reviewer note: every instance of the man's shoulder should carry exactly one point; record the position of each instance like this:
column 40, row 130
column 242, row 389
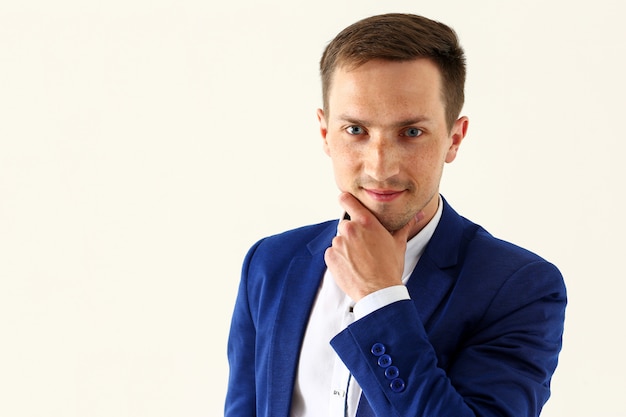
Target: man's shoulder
column 498, row 246
column 309, row 230
column 476, row 243
column 485, row 263
column 302, row 234
column 311, row 238
column 486, row 252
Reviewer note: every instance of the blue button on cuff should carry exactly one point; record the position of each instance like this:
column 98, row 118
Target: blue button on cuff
column 378, row 349
column 392, row 373
column 397, row 385
column 384, row 361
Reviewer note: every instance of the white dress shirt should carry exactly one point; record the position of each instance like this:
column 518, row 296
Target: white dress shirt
column 324, row 386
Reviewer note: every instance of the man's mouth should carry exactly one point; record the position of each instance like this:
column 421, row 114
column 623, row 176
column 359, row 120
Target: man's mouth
column 383, row 195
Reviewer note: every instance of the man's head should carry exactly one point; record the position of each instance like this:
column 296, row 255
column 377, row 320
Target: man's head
column 399, row 37
column 393, row 90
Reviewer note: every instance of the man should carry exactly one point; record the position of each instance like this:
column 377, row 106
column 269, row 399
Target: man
column 402, row 308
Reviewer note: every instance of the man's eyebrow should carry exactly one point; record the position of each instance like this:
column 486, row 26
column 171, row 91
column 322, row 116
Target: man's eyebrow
column 399, row 123
column 352, row 120
column 412, row 121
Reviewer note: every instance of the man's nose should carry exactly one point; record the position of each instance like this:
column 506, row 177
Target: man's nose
column 382, row 159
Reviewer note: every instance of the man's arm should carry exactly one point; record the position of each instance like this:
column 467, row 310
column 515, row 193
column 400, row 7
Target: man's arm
column 502, row 368
column 497, row 363
column 241, row 393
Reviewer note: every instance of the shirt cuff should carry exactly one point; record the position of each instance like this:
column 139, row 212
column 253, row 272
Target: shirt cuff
column 380, row 299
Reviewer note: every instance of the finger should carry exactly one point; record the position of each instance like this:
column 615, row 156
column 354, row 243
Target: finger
column 354, row 209
column 345, row 226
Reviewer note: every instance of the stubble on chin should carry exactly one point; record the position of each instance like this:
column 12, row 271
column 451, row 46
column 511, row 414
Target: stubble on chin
column 392, row 221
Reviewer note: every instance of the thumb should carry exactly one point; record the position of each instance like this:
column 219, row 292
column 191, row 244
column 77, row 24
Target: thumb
column 402, row 235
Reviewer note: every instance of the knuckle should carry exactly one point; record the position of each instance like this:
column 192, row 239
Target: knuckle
column 348, row 228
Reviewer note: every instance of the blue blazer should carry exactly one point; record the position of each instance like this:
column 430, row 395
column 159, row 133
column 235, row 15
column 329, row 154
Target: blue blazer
column 480, row 336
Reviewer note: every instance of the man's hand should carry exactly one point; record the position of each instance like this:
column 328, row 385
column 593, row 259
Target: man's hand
column 364, row 256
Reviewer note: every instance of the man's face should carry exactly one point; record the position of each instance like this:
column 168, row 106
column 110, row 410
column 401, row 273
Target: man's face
column 387, row 137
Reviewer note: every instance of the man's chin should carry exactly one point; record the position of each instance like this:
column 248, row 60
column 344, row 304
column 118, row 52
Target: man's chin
column 391, row 219
column 392, row 223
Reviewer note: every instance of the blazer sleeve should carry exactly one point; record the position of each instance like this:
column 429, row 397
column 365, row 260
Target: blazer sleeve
column 501, row 367
column 241, row 391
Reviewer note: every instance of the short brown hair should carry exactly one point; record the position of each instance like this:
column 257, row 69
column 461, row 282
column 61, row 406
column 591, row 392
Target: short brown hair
column 400, row 37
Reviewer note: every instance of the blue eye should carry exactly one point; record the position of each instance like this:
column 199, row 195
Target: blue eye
column 413, row 132
column 355, row 130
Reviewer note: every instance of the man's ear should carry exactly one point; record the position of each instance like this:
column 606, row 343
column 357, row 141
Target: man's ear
column 321, row 117
column 457, row 134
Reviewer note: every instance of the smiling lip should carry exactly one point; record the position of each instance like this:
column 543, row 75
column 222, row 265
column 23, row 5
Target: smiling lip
column 383, row 195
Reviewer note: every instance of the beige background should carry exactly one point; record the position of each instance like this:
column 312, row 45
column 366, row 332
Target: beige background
column 145, row 145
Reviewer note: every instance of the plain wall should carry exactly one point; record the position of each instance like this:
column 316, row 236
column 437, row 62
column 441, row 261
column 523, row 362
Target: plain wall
column 145, row 145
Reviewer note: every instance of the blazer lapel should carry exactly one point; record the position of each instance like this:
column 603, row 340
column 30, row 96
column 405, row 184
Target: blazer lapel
column 302, row 282
column 434, row 274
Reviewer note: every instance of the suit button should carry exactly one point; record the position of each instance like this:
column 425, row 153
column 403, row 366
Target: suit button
column 397, row 385
column 378, row 349
column 392, row 372
column 384, row 361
